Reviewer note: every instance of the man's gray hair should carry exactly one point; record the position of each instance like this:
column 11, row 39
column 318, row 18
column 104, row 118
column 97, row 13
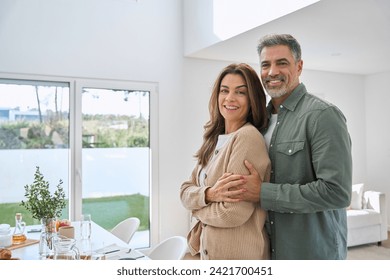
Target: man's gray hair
column 281, row 39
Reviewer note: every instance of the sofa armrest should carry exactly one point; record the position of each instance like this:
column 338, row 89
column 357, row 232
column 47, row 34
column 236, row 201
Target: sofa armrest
column 374, row 200
column 377, row 202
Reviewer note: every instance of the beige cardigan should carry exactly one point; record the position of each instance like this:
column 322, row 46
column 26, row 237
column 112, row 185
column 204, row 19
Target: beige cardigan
column 229, row 230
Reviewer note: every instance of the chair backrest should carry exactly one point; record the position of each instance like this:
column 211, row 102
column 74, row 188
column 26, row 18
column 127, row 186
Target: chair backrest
column 173, row 248
column 126, row 229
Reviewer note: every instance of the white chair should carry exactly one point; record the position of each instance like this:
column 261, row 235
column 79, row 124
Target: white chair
column 173, row 248
column 126, row 229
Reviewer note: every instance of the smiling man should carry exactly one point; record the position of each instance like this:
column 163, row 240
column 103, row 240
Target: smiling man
column 310, row 151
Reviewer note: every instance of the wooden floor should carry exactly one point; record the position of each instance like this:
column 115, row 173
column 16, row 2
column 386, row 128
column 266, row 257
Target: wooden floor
column 386, row 243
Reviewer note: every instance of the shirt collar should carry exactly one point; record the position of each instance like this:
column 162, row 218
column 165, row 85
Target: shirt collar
column 292, row 101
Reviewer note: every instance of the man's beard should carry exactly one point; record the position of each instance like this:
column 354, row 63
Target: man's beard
column 275, row 92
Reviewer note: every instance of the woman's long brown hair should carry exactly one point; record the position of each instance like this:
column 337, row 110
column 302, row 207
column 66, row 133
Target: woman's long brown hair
column 257, row 114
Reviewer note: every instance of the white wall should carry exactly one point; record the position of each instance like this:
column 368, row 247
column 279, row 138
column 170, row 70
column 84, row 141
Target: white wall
column 377, row 100
column 108, row 39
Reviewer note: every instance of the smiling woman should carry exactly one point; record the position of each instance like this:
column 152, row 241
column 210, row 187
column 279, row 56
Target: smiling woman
column 232, row 135
column 233, row 101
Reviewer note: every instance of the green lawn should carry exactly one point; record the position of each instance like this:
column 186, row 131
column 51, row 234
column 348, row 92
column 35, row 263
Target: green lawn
column 106, row 211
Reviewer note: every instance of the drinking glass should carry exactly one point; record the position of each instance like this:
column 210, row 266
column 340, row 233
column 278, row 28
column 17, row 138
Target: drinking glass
column 85, row 226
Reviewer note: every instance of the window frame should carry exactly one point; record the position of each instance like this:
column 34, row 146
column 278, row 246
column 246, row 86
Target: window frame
column 75, row 137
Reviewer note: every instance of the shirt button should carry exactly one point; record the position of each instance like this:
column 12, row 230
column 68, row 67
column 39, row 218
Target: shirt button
column 281, row 106
column 205, row 252
column 205, row 175
column 272, row 171
column 273, row 250
column 272, row 222
column 289, row 151
column 216, row 151
column 271, row 145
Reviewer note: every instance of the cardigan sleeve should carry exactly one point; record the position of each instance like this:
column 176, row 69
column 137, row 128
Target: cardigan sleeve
column 192, row 196
column 248, row 144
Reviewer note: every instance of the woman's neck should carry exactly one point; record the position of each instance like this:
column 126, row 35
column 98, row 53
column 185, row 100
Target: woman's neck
column 232, row 127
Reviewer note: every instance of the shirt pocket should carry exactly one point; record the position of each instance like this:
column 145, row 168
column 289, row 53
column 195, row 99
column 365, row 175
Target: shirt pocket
column 290, row 148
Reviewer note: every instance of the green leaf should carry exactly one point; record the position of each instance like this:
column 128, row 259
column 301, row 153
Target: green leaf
column 39, row 201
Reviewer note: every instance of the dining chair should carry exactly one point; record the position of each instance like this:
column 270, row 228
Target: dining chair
column 173, row 248
column 126, row 229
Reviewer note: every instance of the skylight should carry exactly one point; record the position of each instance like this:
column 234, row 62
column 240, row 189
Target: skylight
column 232, row 17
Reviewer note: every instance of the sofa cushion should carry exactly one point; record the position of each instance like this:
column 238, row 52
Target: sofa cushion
column 357, row 197
column 362, row 218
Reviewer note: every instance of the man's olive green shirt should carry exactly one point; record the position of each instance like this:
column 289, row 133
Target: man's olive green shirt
column 311, row 180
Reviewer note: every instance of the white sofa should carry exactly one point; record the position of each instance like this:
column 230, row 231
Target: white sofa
column 366, row 217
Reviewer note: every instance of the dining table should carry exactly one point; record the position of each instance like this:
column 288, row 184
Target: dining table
column 102, row 245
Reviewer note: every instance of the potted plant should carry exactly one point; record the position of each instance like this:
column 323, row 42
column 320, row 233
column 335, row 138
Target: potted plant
column 45, row 207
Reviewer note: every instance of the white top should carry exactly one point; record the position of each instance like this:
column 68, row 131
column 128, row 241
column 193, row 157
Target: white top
column 271, row 127
column 222, row 140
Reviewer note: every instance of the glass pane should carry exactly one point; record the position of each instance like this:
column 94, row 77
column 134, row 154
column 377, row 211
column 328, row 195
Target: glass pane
column 115, row 158
column 34, row 131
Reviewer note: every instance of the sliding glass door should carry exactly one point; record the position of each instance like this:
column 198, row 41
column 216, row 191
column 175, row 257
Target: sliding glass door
column 116, row 156
column 34, row 131
column 96, row 136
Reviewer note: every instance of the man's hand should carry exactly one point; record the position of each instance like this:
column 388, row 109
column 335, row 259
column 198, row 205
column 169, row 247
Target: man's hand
column 252, row 186
column 226, row 189
column 234, row 188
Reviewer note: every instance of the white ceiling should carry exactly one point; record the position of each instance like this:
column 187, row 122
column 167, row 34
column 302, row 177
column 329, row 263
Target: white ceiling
column 346, row 36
